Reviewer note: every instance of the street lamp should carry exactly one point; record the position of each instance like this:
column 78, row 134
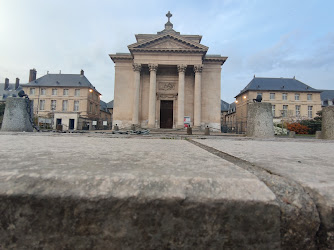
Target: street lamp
column 282, row 113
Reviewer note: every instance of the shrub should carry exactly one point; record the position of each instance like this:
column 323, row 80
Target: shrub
column 313, row 125
column 298, row 128
column 279, row 131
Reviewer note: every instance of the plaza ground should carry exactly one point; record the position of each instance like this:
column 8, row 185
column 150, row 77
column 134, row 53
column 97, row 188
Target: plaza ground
column 223, row 190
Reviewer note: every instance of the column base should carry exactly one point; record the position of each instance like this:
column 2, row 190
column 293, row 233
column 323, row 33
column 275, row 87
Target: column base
column 151, row 126
column 180, row 126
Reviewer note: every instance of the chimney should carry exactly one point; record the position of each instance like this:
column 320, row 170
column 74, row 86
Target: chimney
column 82, row 72
column 6, row 84
column 17, row 83
column 32, row 75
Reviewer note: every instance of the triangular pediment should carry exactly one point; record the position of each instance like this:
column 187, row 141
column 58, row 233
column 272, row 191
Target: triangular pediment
column 168, row 42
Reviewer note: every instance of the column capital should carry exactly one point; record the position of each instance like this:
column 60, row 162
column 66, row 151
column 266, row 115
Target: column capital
column 181, row 68
column 136, row 67
column 153, row 67
column 198, row 68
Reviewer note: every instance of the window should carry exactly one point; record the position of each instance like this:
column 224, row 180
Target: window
column 54, row 91
column 65, row 92
column 284, row 96
column 285, row 110
column 272, row 96
column 43, row 91
column 53, row 104
column 65, row 105
column 77, row 92
column 32, row 91
column 273, row 107
column 309, row 111
column 309, row 97
column 297, row 110
column 41, row 104
column 297, row 97
column 76, row 105
column 90, row 107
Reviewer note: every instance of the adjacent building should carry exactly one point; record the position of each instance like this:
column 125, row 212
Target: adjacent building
column 291, row 99
column 327, row 98
column 69, row 100
column 165, row 78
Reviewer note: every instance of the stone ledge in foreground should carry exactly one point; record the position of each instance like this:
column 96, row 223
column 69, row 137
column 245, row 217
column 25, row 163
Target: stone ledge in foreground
column 122, row 212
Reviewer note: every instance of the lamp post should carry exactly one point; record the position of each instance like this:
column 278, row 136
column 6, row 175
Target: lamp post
column 282, row 113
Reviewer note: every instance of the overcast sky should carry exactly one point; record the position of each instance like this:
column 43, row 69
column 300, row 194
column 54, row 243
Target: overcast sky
column 267, row 38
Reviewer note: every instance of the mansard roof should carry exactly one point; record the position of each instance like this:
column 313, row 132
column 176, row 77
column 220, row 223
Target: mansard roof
column 277, row 84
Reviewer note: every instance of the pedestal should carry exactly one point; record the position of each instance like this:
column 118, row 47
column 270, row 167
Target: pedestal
column 16, row 117
column 260, row 120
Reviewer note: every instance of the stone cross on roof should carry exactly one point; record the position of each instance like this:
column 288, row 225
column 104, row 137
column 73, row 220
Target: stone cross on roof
column 169, row 15
column 169, row 25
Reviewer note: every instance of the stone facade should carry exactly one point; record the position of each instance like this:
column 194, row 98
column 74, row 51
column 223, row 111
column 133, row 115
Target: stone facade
column 64, row 98
column 165, row 77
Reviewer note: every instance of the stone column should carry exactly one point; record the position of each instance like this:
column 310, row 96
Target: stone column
column 197, row 95
column 180, row 96
column 136, row 85
column 153, row 90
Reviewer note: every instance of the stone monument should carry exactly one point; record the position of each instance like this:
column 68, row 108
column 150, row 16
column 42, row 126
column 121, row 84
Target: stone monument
column 260, row 120
column 16, row 117
column 327, row 128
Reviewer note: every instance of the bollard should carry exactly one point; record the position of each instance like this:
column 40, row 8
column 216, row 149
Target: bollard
column 292, row 134
column 116, row 128
column 207, row 131
column 317, row 134
column 189, row 131
column 133, row 127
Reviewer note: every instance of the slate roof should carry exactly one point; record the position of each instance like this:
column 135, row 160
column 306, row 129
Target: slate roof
column 110, row 105
column 224, row 106
column 277, row 84
column 62, row 80
column 9, row 91
column 103, row 106
column 232, row 107
column 327, row 95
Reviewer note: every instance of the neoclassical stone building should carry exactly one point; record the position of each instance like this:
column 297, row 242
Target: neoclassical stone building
column 166, row 78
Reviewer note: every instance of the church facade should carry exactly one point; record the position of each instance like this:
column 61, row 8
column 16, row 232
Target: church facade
column 167, row 78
